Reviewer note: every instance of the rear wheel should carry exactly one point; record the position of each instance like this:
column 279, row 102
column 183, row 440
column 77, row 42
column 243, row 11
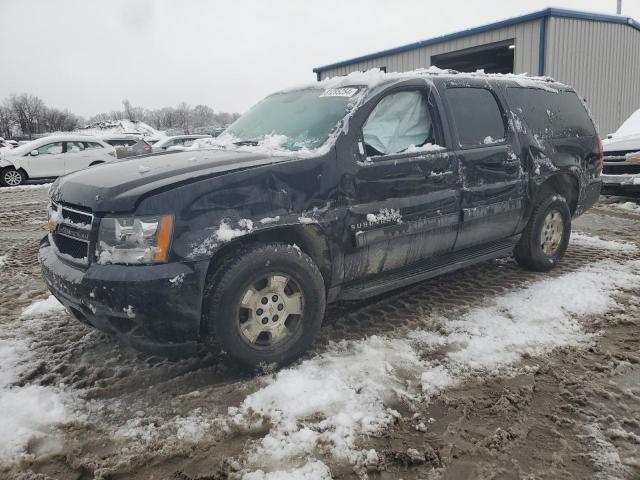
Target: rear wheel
column 267, row 305
column 10, row 177
column 546, row 236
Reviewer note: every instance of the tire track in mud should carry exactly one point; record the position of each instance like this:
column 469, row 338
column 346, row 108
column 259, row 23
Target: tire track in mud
column 137, row 402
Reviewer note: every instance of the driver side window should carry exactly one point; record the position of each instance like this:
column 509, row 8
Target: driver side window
column 50, row 149
column 399, row 121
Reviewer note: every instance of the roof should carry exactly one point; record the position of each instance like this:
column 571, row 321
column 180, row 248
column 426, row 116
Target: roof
column 548, row 12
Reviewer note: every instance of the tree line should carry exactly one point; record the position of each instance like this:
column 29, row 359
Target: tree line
column 26, row 115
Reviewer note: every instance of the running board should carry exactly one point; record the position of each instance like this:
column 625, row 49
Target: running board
column 426, row 269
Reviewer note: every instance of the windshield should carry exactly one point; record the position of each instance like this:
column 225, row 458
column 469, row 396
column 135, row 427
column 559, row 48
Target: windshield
column 305, row 117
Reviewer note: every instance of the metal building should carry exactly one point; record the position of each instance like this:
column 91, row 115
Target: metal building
column 597, row 54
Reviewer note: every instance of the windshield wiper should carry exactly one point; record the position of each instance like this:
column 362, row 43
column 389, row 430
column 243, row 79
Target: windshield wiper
column 252, row 143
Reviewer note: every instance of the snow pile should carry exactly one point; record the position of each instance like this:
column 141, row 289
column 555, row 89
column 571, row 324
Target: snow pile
column 225, row 232
column 313, row 470
column 427, row 148
column 324, row 404
column 631, row 126
column 594, row 241
column 628, row 206
column 27, row 413
column 121, row 127
column 385, row 215
column 272, row 145
column 21, row 188
column 41, row 308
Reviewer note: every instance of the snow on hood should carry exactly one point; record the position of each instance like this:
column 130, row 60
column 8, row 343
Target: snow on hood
column 627, row 137
column 271, row 145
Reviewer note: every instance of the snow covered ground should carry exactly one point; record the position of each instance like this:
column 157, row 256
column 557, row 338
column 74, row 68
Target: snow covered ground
column 479, row 359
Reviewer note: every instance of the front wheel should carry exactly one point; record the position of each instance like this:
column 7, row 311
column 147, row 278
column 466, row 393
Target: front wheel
column 10, row 177
column 546, row 236
column 266, row 305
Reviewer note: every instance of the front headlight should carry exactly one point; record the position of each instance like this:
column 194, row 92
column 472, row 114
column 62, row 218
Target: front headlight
column 134, row 240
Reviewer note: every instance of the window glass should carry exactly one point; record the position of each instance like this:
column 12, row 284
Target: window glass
column 90, row 145
column 551, row 114
column 477, row 117
column 50, row 149
column 75, row 147
column 398, row 121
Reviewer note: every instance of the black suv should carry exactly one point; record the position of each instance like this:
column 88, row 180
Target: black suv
column 339, row 191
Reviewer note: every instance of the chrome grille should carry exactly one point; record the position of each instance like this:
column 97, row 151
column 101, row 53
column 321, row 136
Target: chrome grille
column 72, row 232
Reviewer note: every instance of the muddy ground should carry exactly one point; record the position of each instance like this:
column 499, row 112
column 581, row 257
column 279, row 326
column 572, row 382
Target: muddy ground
column 574, row 414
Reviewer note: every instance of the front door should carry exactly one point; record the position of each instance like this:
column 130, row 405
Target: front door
column 48, row 163
column 493, row 180
column 403, row 201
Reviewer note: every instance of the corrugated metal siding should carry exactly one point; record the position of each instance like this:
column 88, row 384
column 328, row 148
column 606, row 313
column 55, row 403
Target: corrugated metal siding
column 526, row 36
column 602, row 61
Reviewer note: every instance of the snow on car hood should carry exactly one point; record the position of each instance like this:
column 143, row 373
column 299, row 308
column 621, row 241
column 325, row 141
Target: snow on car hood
column 627, row 142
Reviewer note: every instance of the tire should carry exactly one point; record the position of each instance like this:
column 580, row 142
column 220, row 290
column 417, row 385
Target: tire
column 266, row 305
column 546, row 236
column 10, row 177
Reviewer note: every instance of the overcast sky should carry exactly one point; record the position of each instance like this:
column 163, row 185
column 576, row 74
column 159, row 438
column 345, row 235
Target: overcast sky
column 88, row 55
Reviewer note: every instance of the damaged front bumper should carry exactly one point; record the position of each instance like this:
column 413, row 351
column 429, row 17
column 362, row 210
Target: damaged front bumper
column 153, row 308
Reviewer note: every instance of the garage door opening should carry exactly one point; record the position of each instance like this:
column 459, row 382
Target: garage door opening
column 492, row 58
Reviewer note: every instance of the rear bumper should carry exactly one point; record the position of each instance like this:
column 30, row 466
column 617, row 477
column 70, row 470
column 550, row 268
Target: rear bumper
column 591, row 196
column 156, row 308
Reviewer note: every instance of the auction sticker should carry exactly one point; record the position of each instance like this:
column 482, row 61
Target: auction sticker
column 339, row 92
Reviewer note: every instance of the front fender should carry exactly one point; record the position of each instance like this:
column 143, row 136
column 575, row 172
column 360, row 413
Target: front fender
column 205, row 243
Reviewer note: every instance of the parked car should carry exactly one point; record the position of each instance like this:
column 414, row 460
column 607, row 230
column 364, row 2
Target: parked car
column 377, row 183
column 5, row 143
column 50, row 157
column 121, row 140
column 12, row 143
column 141, row 147
column 176, row 142
column 622, row 158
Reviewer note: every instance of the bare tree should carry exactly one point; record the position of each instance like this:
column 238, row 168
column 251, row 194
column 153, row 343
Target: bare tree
column 183, row 114
column 28, row 111
column 7, row 121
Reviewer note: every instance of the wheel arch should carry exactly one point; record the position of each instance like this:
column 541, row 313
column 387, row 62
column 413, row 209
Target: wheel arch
column 311, row 239
column 564, row 183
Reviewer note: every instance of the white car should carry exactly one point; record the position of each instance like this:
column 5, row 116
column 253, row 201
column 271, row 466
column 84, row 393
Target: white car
column 50, row 157
column 176, row 141
column 621, row 173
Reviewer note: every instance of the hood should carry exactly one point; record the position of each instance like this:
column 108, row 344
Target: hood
column 622, row 143
column 119, row 186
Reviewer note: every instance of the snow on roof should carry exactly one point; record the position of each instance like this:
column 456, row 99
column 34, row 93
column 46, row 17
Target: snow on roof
column 118, row 127
column 375, row 77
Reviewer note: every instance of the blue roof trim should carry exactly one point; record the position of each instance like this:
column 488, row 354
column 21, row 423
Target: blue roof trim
column 548, row 12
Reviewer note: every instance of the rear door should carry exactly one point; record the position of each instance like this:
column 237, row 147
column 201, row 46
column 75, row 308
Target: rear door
column 493, row 180
column 404, row 197
column 76, row 157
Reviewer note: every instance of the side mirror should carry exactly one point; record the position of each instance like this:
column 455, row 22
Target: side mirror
column 610, row 135
column 34, row 153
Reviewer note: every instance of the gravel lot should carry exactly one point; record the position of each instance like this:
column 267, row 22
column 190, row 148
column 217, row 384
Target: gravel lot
column 571, row 411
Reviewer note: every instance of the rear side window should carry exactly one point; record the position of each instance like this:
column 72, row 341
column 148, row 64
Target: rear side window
column 90, row 145
column 551, row 114
column 476, row 115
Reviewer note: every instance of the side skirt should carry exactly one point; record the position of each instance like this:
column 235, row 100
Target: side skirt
column 425, row 269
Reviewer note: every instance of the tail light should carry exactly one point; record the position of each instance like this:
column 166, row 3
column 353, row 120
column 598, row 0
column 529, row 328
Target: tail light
column 600, row 164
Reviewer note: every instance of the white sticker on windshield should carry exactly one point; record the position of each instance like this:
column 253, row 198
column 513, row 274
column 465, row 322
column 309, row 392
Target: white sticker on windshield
column 339, row 92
